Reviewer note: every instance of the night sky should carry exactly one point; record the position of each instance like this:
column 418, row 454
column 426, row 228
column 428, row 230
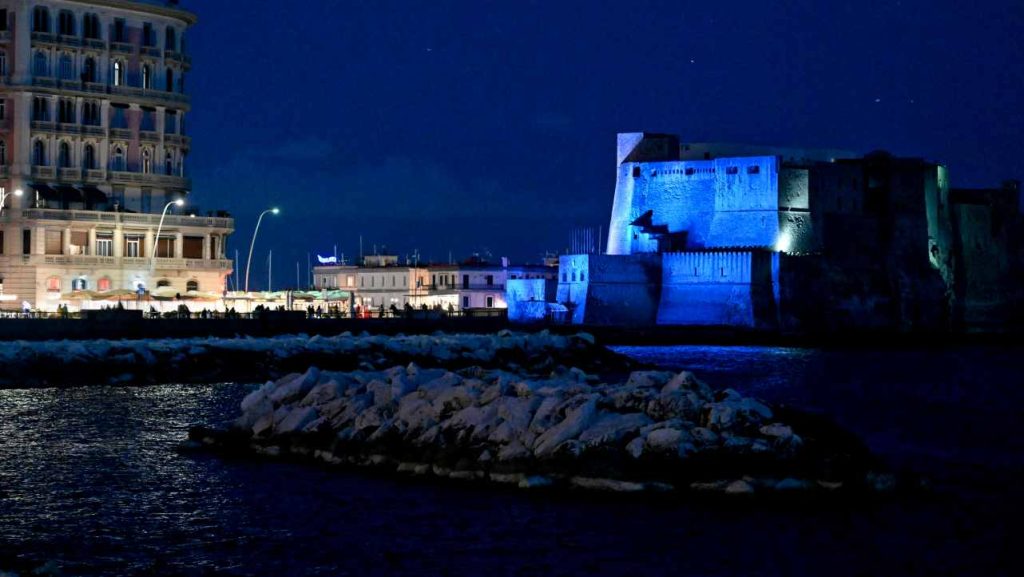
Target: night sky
column 483, row 126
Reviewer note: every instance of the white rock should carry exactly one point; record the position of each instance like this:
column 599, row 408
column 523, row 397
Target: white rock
column 575, row 422
column 610, row 428
column 296, row 420
column 777, row 430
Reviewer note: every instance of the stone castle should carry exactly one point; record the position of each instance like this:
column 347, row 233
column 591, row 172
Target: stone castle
column 797, row 240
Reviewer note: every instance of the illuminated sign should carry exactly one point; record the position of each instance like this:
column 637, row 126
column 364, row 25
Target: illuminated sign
column 327, row 259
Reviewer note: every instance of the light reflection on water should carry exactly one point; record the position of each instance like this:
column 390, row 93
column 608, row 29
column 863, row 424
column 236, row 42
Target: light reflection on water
column 89, row 477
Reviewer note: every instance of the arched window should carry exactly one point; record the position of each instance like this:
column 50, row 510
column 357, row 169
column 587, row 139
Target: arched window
column 53, row 284
column 89, row 159
column 40, row 64
column 118, row 73
column 64, row 155
column 170, row 80
column 171, row 40
column 3, row 153
column 39, row 153
column 103, row 285
column 118, row 161
column 92, row 26
column 169, row 164
column 67, row 67
column 41, row 19
column 163, row 283
column 147, row 76
column 192, row 286
column 66, row 23
column 147, row 162
column 80, row 284
column 89, row 72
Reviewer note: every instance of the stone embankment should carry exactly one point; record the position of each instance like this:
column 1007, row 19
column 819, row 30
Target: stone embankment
column 533, row 425
column 207, row 360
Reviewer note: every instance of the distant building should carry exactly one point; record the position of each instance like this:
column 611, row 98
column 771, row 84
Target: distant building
column 471, row 288
column 92, row 133
column 743, row 236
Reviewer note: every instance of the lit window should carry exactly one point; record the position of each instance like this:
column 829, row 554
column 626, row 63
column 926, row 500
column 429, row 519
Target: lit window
column 118, row 73
column 53, row 284
column 103, row 285
column 732, row 170
column 753, row 170
column 192, row 286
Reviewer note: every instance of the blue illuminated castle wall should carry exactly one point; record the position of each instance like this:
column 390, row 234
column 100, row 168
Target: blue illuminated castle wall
column 768, row 238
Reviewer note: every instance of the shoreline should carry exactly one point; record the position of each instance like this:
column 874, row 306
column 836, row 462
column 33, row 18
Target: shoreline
column 44, row 330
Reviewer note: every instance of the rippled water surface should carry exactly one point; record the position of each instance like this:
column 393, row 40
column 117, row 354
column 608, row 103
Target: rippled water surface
column 89, row 479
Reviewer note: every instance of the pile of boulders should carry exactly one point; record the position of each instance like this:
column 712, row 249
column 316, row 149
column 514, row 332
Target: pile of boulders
column 650, row 430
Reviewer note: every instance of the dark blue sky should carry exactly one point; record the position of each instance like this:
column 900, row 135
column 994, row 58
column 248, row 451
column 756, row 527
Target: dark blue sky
column 486, row 125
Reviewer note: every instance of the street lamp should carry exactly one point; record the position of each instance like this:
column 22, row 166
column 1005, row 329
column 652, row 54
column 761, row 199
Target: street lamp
column 4, row 195
column 252, row 245
column 156, row 243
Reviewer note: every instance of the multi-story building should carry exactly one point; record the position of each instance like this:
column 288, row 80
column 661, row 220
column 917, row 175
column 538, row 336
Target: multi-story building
column 92, row 134
column 467, row 288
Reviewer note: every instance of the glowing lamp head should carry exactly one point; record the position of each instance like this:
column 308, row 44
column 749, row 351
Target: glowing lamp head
column 275, row 210
column 180, row 202
column 19, row 192
column 784, row 242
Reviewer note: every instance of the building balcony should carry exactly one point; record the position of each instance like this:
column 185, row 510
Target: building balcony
column 43, row 126
column 68, row 128
column 44, row 81
column 93, row 176
column 158, row 180
column 149, row 136
column 92, row 261
column 95, row 43
column 44, row 38
column 177, row 140
column 91, row 130
column 151, row 51
column 122, row 47
column 69, row 84
column 44, row 172
column 68, row 40
column 121, row 133
column 95, row 87
column 221, row 225
column 69, row 174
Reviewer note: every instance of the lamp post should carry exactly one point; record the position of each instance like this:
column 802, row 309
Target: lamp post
column 252, row 245
column 156, row 242
column 4, row 195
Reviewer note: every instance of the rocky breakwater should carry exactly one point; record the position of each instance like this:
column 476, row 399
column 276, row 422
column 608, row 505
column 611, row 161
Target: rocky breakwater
column 648, row 431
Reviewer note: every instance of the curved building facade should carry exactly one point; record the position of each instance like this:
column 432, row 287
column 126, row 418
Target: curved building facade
column 93, row 110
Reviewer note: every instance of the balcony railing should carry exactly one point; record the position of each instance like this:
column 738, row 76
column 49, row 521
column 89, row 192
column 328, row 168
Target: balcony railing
column 151, row 51
column 143, row 219
column 177, row 139
column 69, row 40
column 122, row 47
column 97, row 87
column 44, row 37
column 149, row 136
column 43, row 126
column 121, row 177
column 95, row 43
column 121, row 133
column 93, row 130
column 70, row 174
column 70, row 84
column 44, row 81
column 140, row 262
column 68, row 128
column 95, row 176
column 44, row 172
